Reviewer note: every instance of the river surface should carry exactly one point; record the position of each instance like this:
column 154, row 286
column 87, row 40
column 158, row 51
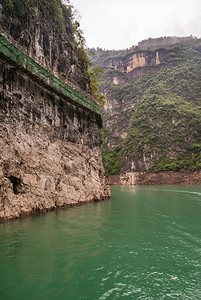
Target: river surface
column 143, row 243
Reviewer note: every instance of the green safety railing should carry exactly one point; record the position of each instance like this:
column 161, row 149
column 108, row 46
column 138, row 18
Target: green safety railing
column 18, row 57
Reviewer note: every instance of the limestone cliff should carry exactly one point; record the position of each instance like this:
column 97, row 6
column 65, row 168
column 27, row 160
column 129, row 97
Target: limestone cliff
column 131, row 62
column 50, row 153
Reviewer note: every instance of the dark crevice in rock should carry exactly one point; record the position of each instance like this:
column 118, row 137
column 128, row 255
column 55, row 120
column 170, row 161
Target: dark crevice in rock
column 17, row 184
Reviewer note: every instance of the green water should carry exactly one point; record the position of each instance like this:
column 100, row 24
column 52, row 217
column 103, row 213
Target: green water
column 144, row 243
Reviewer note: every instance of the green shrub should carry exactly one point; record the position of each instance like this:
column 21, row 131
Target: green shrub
column 111, row 160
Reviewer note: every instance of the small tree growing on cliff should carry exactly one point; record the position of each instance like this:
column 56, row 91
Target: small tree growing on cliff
column 94, row 75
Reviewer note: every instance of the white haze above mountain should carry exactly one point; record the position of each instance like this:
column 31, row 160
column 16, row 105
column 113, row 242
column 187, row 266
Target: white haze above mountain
column 119, row 24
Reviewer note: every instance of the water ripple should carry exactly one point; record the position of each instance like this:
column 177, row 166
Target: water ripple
column 142, row 244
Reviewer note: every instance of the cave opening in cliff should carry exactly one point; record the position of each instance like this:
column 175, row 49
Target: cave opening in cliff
column 17, row 184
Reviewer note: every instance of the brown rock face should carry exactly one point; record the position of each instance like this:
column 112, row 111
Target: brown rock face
column 131, row 64
column 49, row 149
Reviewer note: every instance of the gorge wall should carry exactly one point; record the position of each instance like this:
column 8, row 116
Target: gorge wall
column 152, row 117
column 49, row 145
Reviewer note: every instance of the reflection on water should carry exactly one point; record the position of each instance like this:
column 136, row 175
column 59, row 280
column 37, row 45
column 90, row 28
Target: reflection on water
column 144, row 243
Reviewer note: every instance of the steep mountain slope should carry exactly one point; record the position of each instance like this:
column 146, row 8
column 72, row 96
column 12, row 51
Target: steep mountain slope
column 153, row 113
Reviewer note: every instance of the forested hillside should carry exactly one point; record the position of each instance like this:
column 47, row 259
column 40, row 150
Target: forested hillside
column 152, row 120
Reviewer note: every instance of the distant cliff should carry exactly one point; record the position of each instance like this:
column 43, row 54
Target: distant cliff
column 50, row 154
column 152, row 120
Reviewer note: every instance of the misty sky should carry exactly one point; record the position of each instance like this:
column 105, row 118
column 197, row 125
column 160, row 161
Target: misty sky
column 119, row 24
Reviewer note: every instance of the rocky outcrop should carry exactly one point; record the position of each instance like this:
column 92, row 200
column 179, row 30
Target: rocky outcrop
column 50, row 149
column 137, row 60
column 148, row 178
column 132, row 65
